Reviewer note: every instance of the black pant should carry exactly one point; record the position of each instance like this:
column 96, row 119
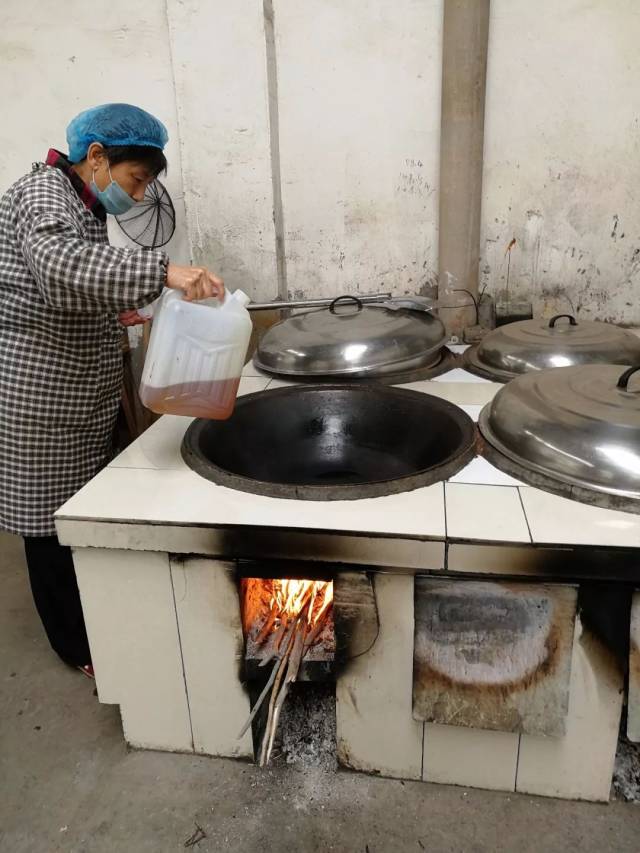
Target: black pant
column 55, row 592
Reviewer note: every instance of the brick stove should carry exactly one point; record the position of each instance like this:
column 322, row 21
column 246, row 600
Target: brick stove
column 173, row 658
column 470, row 643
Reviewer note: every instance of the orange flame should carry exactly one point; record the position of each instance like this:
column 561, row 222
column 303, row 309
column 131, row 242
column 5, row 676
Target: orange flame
column 291, row 597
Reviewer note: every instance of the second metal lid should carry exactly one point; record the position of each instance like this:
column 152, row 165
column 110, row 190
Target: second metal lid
column 352, row 340
column 532, row 345
column 579, row 426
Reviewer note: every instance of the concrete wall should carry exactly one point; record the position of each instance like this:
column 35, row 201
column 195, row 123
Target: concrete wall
column 55, row 64
column 359, row 112
column 218, row 51
column 352, row 138
column 562, row 155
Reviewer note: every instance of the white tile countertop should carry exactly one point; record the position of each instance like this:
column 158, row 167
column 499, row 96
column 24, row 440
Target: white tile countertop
column 150, row 484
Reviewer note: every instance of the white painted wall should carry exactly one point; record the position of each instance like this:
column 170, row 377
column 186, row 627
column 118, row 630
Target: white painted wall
column 359, row 110
column 221, row 87
column 358, row 120
column 55, row 62
column 562, row 155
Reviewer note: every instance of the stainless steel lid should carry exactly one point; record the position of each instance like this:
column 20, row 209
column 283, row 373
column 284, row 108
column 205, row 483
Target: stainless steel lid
column 352, row 340
column 528, row 345
column 578, row 426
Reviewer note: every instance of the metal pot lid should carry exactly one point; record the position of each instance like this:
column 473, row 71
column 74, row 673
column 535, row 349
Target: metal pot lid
column 579, row 426
column 352, row 340
column 518, row 348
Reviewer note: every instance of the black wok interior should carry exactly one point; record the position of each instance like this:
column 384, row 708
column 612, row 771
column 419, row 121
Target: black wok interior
column 328, row 436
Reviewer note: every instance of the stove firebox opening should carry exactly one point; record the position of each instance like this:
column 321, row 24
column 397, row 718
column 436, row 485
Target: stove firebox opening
column 289, row 638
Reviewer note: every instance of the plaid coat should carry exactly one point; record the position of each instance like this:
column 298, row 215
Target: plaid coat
column 61, row 286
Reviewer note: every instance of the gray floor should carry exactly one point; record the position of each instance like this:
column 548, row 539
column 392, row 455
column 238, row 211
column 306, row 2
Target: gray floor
column 67, row 782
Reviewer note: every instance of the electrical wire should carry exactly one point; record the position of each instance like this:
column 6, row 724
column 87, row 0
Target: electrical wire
column 473, row 302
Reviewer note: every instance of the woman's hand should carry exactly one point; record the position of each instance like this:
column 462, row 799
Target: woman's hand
column 131, row 318
column 194, row 282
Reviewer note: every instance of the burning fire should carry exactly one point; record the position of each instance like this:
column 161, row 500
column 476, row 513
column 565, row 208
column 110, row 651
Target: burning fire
column 297, row 613
column 290, row 597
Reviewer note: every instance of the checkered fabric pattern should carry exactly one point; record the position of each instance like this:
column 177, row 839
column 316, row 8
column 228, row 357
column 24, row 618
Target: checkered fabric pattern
column 61, row 286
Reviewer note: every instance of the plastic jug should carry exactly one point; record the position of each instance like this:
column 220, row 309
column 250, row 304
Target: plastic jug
column 196, row 355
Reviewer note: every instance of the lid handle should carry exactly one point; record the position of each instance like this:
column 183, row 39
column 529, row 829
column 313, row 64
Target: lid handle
column 572, row 320
column 347, row 298
column 626, row 376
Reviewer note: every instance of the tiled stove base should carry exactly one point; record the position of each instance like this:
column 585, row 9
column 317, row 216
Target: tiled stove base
column 376, row 731
column 167, row 642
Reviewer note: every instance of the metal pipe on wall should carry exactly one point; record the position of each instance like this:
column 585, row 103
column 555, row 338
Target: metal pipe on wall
column 464, row 72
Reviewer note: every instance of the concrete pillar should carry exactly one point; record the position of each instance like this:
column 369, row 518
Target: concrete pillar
column 464, row 66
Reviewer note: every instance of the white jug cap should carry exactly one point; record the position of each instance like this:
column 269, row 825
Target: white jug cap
column 241, row 297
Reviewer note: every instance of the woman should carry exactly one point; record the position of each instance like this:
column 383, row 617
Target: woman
column 62, row 287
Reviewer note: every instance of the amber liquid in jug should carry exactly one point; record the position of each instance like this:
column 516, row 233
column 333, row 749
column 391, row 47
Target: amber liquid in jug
column 214, row 400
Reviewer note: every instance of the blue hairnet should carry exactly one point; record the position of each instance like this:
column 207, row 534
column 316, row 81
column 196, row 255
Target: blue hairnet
column 114, row 124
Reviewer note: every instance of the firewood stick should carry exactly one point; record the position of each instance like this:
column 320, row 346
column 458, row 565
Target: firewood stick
column 280, row 633
column 276, row 686
column 314, row 633
column 304, row 601
column 262, row 696
column 293, row 666
column 276, row 717
column 259, row 702
column 326, row 604
column 280, row 666
column 284, row 633
column 313, row 602
column 266, row 628
column 295, row 657
column 288, row 665
column 293, row 654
